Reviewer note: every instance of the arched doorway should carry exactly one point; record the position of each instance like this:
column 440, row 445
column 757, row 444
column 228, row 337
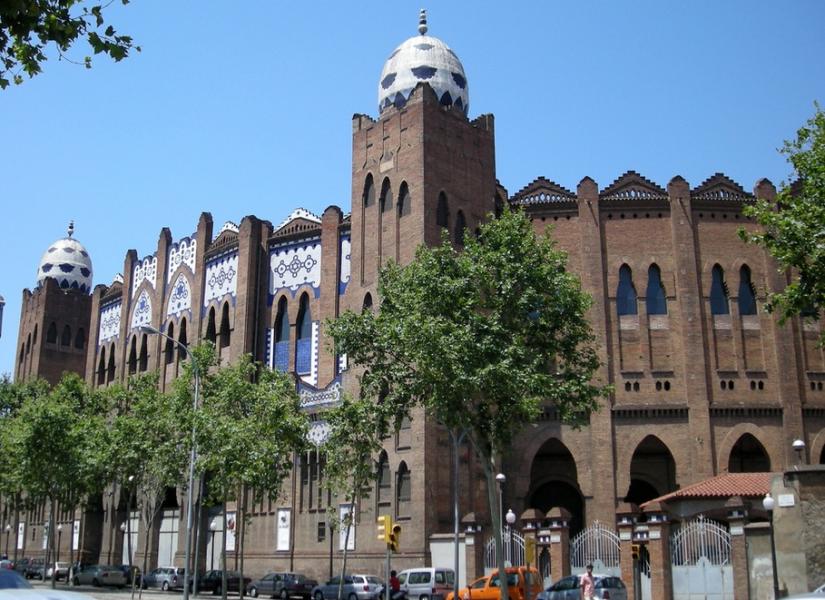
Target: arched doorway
column 554, row 482
column 748, row 455
column 652, row 471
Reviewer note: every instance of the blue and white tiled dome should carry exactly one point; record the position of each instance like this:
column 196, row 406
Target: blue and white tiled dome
column 67, row 262
column 423, row 58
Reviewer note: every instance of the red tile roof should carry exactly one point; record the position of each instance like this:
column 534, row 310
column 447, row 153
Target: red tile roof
column 746, row 485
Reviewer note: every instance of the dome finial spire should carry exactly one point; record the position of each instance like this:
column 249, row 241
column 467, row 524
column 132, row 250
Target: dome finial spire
column 70, row 231
column 422, row 21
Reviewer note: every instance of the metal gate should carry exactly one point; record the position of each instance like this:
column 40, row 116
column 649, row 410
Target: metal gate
column 598, row 544
column 700, row 556
column 643, row 574
column 513, row 550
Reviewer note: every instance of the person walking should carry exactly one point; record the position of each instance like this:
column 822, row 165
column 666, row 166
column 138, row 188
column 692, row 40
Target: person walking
column 587, row 584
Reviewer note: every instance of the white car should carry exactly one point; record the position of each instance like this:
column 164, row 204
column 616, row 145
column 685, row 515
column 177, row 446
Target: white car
column 14, row 587
column 817, row 593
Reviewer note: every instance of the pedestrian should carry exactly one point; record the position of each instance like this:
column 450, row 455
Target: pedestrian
column 395, row 586
column 587, row 584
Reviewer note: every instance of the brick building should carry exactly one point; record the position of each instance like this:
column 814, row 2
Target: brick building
column 706, row 381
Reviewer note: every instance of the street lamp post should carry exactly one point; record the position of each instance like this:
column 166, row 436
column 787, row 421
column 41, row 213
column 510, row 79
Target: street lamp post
column 59, row 534
column 457, row 439
column 8, row 535
column 213, row 526
column 510, row 518
column 192, row 455
column 768, row 504
column 799, row 447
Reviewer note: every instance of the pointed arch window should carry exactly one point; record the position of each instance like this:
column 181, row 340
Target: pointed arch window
column 404, row 200
column 626, row 293
column 369, row 192
column 367, row 302
column 282, row 337
column 403, row 491
column 34, row 335
column 747, row 295
column 132, row 363
column 718, row 292
column 101, row 367
column 80, row 339
column 182, row 342
column 143, row 358
column 655, row 299
column 169, row 348
column 303, row 344
column 66, row 336
column 51, row 333
column 383, row 493
column 386, row 196
column 225, row 335
column 110, row 370
column 211, row 330
column 460, row 227
column 442, row 211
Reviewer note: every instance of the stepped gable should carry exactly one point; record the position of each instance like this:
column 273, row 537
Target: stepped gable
column 299, row 223
column 720, row 191
column 114, row 291
column 632, row 189
column 226, row 239
column 542, row 191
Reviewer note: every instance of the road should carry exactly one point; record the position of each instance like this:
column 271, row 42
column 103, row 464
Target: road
column 124, row 594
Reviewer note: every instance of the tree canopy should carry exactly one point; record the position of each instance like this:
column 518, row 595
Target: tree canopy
column 28, row 27
column 793, row 227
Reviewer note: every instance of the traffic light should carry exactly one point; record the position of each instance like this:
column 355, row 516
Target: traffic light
column 395, row 537
column 634, row 551
column 384, row 523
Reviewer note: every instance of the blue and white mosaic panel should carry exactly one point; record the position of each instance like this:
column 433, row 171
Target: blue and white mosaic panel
column 293, row 266
column 318, row 433
column 312, row 399
column 142, row 313
column 221, row 278
column 181, row 253
column 180, row 299
column 109, row 323
column 147, row 269
column 346, row 264
column 312, row 378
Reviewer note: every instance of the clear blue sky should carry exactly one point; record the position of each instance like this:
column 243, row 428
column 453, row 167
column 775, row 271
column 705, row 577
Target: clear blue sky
column 245, row 108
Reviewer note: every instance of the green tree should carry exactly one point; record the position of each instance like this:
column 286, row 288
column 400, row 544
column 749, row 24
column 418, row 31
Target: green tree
column 482, row 337
column 248, row 431
column 793, row 227
column 27, row 27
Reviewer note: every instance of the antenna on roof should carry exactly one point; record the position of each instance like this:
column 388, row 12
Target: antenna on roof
column 422, row 21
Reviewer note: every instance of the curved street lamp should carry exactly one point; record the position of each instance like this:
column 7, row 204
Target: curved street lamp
column 192, row 454
column 768, row 504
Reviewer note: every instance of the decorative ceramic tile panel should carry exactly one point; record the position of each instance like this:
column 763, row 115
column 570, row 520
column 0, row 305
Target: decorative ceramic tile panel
column 312, row 398
column 180, row 298
column 142, row 312
column 182, row 253
column 109, row 323
column 296, row 265
column 318, row 433
column 146, row 269
column 221, row 278
column 346, row 268
column 312, row 377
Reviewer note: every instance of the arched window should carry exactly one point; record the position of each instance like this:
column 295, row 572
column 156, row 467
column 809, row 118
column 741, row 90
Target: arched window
column 747, row 297
column 28, row 343
column 303, row 344
column 80, row 339
column 133, row 356
column 110, row 370
column 404, row 200
column 383, row 481
column 655, row 300
column 442, row 211
column 369, row 192
column 34, row 335
column 386, row 196
column 211, row 331
column 367, row 302
column 66, row 336
column 403, row 491
column 718, row 292
column 143, row 359
column 460, row 226
column 182, row 342
column 626, row 293
column 169, row 347
column 51, row 333
column 101, row 367
column 282, row 337
column 224, row 333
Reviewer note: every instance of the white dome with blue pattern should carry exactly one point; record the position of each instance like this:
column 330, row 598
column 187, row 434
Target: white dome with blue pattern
column 67, row 262
column 423, row 58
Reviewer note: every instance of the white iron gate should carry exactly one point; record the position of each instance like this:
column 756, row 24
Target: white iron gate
column 513, row 550
column 598, row 544
column 700, row 556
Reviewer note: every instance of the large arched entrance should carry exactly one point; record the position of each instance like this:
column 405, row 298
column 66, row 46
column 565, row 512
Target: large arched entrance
column 554, row 482
column 748, row 455
column 652, row 471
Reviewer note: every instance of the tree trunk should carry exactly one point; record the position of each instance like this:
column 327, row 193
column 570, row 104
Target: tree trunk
column 223, row 553
column 495, row 518
column 50, row 543
column 240, row 522
column 346, row 541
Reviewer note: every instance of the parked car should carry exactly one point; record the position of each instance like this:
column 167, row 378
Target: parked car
column 13, row 586
column 21, row 564
column 7, row 564
column 132, row 572
column 356, row 587
column 62, row 569
column 812, row 595
column 98, row 575
column 567, row 588
column 35, row 569
column 487, row 587
column 427, row 583
column 213, row 581
column 283, row 586
column 165, row 578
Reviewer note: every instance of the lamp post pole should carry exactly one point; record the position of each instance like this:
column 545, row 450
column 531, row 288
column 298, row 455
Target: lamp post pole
column 192, row 455
column 57, row 552
column 457, row 439
column 768, row 504
column 8, row 535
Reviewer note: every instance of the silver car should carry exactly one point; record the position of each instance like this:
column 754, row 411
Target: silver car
column 356, row 587
column 567, row 588
column 98, row 575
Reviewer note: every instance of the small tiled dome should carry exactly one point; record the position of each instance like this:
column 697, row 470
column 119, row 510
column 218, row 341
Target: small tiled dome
column 67, row 262
column 423, row 58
